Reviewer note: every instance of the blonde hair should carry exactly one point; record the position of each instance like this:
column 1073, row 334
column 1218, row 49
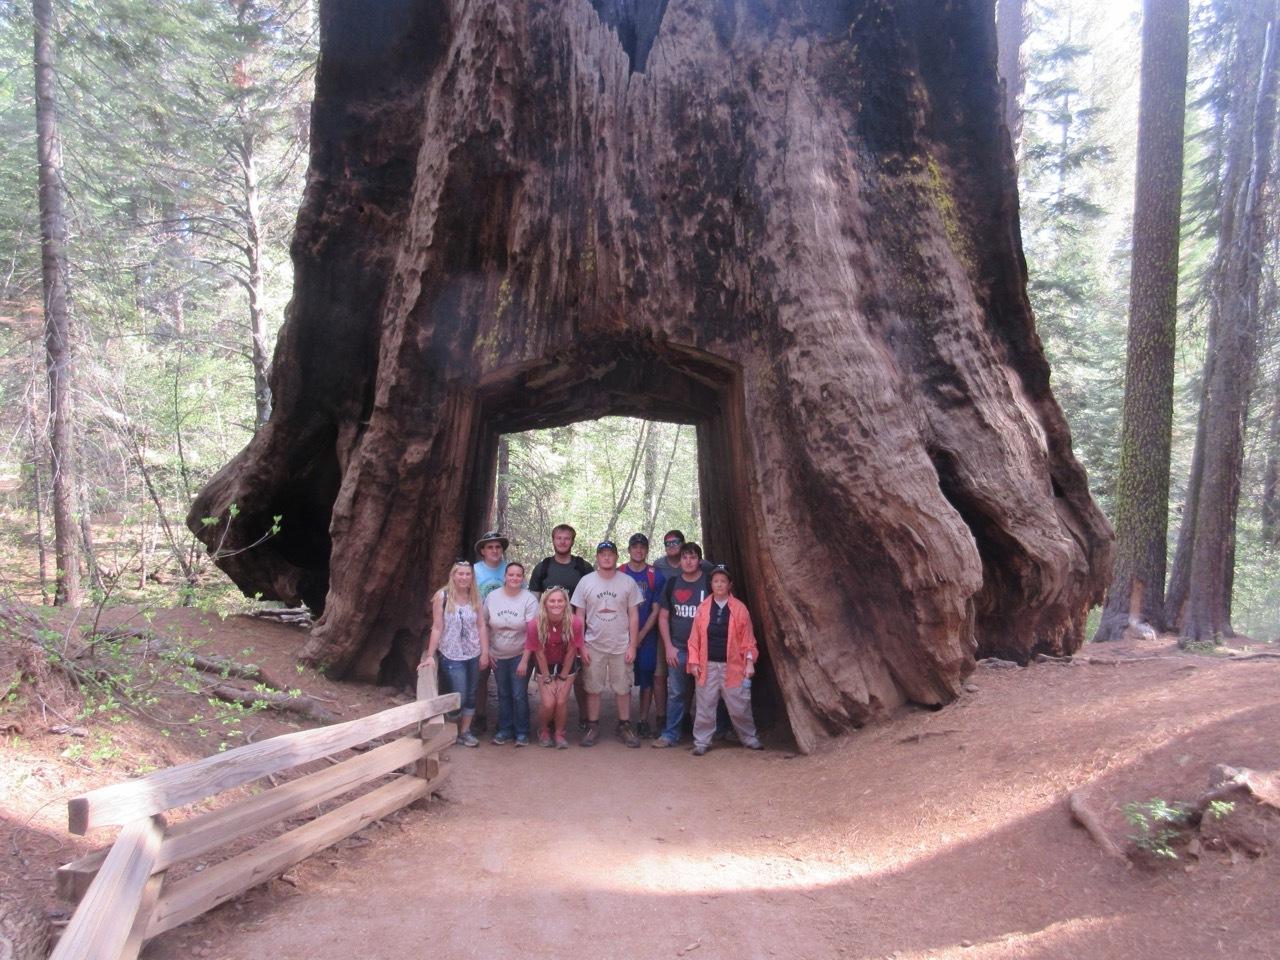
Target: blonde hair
column 447, row 590
column 544, row 622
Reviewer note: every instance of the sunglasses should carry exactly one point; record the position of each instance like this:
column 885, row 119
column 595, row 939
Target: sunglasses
column 673, row 543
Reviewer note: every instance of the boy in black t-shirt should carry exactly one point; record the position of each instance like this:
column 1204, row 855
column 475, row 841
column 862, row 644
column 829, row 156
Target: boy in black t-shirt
column 680, row 599
column 562, row 568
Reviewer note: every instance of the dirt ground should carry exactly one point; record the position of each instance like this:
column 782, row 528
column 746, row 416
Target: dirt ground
column 940, row 834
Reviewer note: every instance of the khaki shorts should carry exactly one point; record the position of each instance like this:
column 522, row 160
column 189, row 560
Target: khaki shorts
column 608, row 671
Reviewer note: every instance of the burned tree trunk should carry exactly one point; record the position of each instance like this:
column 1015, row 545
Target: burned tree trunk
column 792, row 225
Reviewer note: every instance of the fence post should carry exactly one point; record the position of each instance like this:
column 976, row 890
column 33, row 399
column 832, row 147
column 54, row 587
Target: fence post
column 428, row 686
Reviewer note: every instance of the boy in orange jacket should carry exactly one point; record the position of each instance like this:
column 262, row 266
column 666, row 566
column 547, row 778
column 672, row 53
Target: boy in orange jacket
column 722, row 654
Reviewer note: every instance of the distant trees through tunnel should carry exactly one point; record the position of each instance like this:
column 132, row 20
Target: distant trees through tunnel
column 608, row 478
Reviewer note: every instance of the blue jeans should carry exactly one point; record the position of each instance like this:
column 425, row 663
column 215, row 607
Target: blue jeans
column 461, row 675
column 513, row 698
column 678, row 681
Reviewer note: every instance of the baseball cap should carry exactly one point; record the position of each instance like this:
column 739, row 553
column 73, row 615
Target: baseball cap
column 606, row 545
column 638, row 538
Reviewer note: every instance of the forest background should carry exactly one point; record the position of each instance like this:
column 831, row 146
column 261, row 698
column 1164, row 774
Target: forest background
column 183, row 131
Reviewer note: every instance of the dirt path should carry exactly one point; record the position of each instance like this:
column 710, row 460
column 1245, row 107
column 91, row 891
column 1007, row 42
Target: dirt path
column 942, row 835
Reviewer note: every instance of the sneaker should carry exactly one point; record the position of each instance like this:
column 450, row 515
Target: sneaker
column 544, row 738
column 501, row 738
column 700, row 750
column 582, row 726
column 522, row 741
column 593, row 733
column 479, row 724
column 753, row 745
column 662, row 743
column 562, row 743
column 642, row 730
column 467, row 739
column 626, row 735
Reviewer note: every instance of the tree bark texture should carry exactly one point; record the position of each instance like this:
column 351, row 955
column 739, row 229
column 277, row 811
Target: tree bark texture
column 59, row 359
column 1271, row 473
column 1234, row 321
column 1142, row 496
column 1011, row 32
column 792, row 225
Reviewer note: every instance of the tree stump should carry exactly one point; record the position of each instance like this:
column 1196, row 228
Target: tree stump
column 793, row 225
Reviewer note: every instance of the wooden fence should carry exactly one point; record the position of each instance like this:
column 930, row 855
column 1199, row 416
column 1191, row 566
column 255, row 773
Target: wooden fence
column 123, row 897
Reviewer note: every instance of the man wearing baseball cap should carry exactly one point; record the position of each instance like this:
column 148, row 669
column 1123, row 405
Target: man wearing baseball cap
column 607, row 601
column 650, row 668
column 490, row 571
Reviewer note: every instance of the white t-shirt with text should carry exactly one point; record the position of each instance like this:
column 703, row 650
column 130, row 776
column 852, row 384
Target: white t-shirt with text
column 605, row 605
column 506, row 617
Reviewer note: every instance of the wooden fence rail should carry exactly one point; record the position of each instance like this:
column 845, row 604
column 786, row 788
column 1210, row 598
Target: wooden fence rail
column 123, row 898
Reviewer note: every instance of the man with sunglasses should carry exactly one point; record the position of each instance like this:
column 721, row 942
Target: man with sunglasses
column 669, row 563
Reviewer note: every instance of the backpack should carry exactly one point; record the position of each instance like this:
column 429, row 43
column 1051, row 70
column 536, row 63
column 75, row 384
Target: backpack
column 540, row 571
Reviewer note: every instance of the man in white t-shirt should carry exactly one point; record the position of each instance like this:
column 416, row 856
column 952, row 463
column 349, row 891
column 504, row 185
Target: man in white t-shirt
column 507, row 610
column 608, row 603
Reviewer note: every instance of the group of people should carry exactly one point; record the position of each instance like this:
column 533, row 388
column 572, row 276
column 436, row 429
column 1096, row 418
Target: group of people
column 585, row 631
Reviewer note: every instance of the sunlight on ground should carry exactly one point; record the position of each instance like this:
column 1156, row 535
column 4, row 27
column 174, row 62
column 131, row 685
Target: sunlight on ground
column 1059, row 939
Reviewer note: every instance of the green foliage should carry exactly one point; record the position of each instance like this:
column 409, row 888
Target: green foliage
column 1157, row 824
column 1078, row 285
column 171, row 112
column 1160, row 823
column 578, row 475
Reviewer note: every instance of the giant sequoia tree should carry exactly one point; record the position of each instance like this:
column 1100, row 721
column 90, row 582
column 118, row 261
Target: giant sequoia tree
column 793, row 225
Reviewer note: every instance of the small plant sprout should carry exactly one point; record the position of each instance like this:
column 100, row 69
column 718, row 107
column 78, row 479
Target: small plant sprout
column 1218, row 809
column 1155, row 824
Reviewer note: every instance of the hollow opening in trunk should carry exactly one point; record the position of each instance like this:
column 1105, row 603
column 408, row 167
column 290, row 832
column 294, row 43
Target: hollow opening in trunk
column 685, row 405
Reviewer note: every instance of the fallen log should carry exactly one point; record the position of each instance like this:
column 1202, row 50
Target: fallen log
column 1083, row 814
column 221, row 666
column 301, row 704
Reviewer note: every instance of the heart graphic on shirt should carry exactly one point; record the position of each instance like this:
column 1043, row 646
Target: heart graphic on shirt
column 682, row 595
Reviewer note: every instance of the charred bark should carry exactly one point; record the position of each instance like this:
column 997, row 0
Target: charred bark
column 1136, row 594
column 792, row 225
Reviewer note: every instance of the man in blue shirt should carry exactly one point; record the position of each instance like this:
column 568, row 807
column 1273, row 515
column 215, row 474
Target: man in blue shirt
column 490, row 570
column 653, row 688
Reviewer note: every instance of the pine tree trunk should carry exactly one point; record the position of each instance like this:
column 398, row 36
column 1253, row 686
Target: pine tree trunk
column 38, row 447
column 504, row 484
column 1142, row 495
column 1234, row 319
column 261, row 356
column 1175, row 600
column 1011, row 29
column 1271, row 473
column 650, row 490
column 59, row 352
